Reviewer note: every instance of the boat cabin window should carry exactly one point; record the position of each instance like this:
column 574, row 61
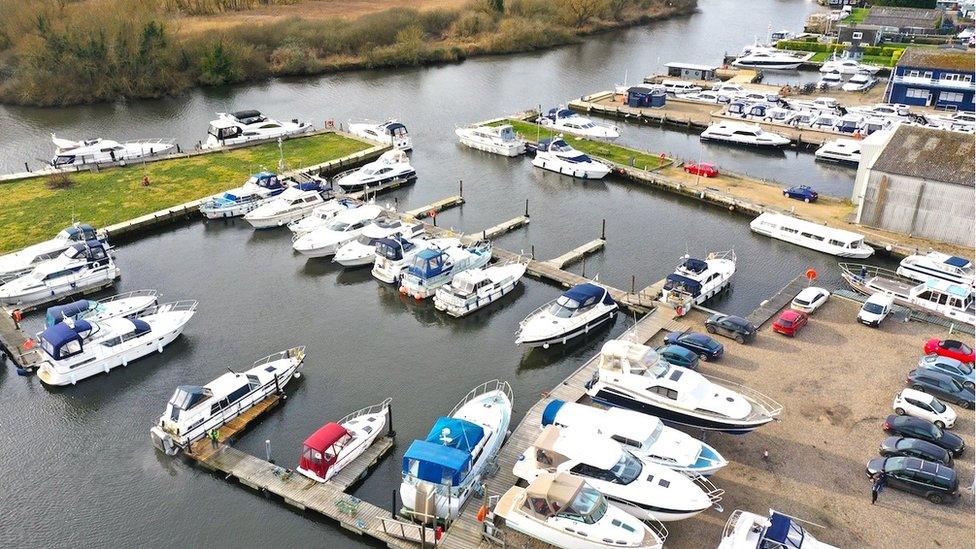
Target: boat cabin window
column 837, row 243
column 626, row 441
column 789, row 230
column 664, row 391
column 811, row 236
column 224, row 133
column 565, row 307
column 60, row 274
column 588, row 506
column 253, row 381
column 269, row 126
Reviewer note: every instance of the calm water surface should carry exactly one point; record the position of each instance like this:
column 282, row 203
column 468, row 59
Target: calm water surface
column 78, row 465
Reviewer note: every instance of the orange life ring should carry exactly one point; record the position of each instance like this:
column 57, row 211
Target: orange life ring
column 330, row 123
column 811, row 274
column 482, row 513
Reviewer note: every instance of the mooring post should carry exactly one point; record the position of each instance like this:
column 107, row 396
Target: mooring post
column 461, row 188
column 633, row 281
column 393, row 505
column 267, row 450
column 396, row 203
column 526, row 207
column 178, row 150
column 533, row 251
column 603, row 230
column 584, row 267
column 484, row 234
column 277, row 387
column 26, row 167
column 389, row 420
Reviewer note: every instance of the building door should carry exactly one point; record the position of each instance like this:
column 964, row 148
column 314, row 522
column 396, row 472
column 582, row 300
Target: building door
column 931, row 100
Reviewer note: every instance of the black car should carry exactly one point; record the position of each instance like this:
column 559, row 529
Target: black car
column 731, row 326
column 913, row 447
column 706, row 347
column 936, row 483
column 940, row 385
column 914, row 427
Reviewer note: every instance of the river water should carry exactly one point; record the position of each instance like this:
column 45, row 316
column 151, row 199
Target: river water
column 78, row 465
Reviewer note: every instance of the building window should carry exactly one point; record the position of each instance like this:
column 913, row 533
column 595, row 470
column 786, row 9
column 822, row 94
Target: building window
column 857, row 35
column 916, row 93
column 950, row 97
column 950, row 77
column 913, row 73
column 967, row 78
column 928, row 74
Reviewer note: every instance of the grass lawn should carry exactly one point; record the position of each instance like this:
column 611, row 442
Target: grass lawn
column 605, row 151
column 858, row 15
column 881, row 60
column 31, row 212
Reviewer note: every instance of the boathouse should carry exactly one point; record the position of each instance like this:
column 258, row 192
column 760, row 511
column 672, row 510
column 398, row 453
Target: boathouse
column 934, row 77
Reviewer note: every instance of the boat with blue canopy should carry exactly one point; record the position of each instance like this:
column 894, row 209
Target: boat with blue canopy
column 240, row 200
column 83, row 266
column 26, row 259
column 123, row 305
column 578, row 311
column 695, row 281
column 745, row 530
column 433, row 267
column 396, row 253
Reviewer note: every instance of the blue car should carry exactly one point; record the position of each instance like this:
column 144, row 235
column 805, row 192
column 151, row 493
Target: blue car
column 706, row 347
column 679, row 356
column 963, row 373
column 940, row 385
column 801, row 192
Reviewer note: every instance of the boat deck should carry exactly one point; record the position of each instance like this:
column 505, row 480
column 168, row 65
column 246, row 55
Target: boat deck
column 896, row 287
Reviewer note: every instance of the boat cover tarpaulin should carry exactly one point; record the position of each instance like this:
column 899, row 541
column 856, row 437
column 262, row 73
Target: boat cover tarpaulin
column 779, row 528
column 436, row 463
column 325, row 436
column 551, row 411
column 61, row 334
column 60, row 312
column 456, row 433
column 695, row 265
column 582, row 292
column 957, row 261
column 683, row 283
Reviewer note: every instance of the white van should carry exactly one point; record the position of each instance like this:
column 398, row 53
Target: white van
column 876, row 309
column 675, row 87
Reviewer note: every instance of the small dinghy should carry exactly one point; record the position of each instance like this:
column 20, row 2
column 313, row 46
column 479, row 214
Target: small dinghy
column 580, row 310
column 238, row 201
column 123, row 305
column 337, row 444
column 477, row 288
column 433, row 268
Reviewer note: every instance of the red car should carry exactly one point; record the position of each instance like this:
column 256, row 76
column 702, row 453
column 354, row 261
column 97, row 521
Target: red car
column 790, row 322
column 703, row 169
column 950, row 348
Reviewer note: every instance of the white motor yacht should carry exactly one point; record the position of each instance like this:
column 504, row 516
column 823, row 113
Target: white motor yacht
column 344, row 227
column 391, row 133
column 848, row 66
column 741, row 133
column 642, row 435
column 292, row 204
column 241, row 200
column 322, row 214
column 705, row 96
column 859, row 82
column 923, row 267
column 558, row 156
column 695, row 281
column 564, row 120
column 104, row 151
column 477, row 288
column 433, row 267
column 829, row 80
column 956, row 302
column 846, row 151
column 564, row 511
column 394, row 255
column 493, row 139
column 26, row 259
column 240, row 127
column 442, row 471
column 392, row 166
column 74, row 350
column 124, row 305
column 193, row 410
column 362, row 250
column 633, row 376
column 746, row 530
column 578, row 311
column 335, row 445
column 811, row 235
column 637, row 485
column 81, row 267
column 769, row 59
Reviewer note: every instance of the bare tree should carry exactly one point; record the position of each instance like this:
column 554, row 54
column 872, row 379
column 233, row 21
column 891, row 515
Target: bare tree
column 581, row 11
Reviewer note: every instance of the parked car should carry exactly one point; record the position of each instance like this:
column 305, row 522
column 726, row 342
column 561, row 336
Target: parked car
column 790, row 322
column 876, row 309
column 801, row 192
column 809, row 299
column 950, row 348
column 935, row 482
column 915, row 403
column 706, row 347
column 963, row 373
column 731, row 326
column 679, row 356
column 914, row 427
column 940, row 385
column 703, row 169
column 913, row 447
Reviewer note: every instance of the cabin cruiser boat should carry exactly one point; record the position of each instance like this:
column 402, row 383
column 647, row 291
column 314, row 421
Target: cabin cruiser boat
column 194, row 410
column 705, row 96
column 634, row 376
column 292, row 204
column 846, row 151
column 818, row 105
column 695, row 281
column 104, row 151
column 238, row 201
column 391, row 133
column 923, row 267
column 824, row 122
column 441, row 472
column 642, row 435
column 747, row 109
column 362, row 250
column 557, row 156
column 871, row 124
column 493, row 139
column 562, row 119
column 240, row 127
column 322, row 214
column 849, row 123
column 848, row 66
column 934, row 296
column 893, row 111
column 564, row 511
column 769, row 59
column 859, row 82
column 781, row 115
column 829, row 80
column 633, row 483
column 337, row 444
column 433, row 267
column 124, row 305
column 395, row 254
column 73, row 350
column 83, row 266
column 741, row 133
column 811, row 235
column 344, row 227
column 746, row 530
column 578, row 311
column 392, row 166
column 477, row 288
column 26, row 259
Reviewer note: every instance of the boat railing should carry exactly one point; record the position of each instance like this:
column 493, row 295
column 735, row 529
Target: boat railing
column 484, row 388
column 126, row 295
column 375, row 408
column 538, row 310
column 731, row 523
column 727, row 254
column 410, row 531
column 657, row 527
column 295, row 352
column 173, row 306
column 713, row 492
column 767, row 406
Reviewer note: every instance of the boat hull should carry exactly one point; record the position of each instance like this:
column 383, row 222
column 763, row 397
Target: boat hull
column 861, row 253
column 39, row 296
column 573, row 333
column 475, row 303
column 593, row 170
column 506, row 149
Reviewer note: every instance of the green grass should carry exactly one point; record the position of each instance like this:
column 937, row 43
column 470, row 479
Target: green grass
column 31, row 212
column 881, row 60
column 858, row 15
column 599, row 149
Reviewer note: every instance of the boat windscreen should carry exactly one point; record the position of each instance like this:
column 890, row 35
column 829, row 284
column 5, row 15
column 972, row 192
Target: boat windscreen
column 589, row 504
column 188, row 396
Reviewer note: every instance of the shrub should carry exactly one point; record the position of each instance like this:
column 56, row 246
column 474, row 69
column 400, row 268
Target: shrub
column 292, row 59
column 472, row 24
column 59, row 180
column 437, row 22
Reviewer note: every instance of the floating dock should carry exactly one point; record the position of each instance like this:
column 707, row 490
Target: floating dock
column 771, row 306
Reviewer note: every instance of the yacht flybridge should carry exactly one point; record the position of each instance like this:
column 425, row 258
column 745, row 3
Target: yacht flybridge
column 193, row 410
column 82, row 266
column 433, row 267
column 361, row 251
column 104, row 151
column 634, row 376
column 493, row 139
column 562, row 119
column 241, row 200
column 741, row 133
column 556, row 155
column 924, row 267
column 394, row 255
column 391, row 133
column 441, row 472
column 344, row 227
column 475, row 289
column 828, row 240
column 123, row 305
column 564, row 511
column 26, row 259
column 240, row 127
column 695, row 281
column 390, row 167
column 637, row 485
column 336, row 444
column 74, row 350
column 578, row 311
column 746, row 530
column 934, row 296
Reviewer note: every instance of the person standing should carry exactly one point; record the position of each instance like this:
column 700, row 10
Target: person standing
column 879, row 485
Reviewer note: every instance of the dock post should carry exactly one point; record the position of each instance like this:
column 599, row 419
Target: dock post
column 603, row 230
column 526, row 207
column 461, row 188
column 277, row 387
column 584, row 267
column 267, row 450
column 533, row 251
column 389, row 421
column 26, row 167
column 393, row 505
column 633, row 281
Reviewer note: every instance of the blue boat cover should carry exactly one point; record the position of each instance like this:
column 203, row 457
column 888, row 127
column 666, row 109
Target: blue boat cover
column 391, row 127
column 71, row 310
column 957, row 261
column 582, row 292
column 81, row 230
column 695, row 265
column 437, row 463
column 683, row 283
column 551, row 411
column 310, row 186
column 456, row 433
column 141, row 326
column 779, row 528
column 61, row 334
column 428, row 263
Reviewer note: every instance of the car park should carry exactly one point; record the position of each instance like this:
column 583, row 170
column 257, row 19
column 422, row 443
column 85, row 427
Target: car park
column 809, row 299
column 801, row 192
column 951, row 348
column 940, row 385
column 963, row 373
column 913, row 447
column 924, row 406
column 914, row 427
column 679, row 356
column 933, row 481
column 790, row 322
column 706, row 347
column 876, row 309
column 702, row 169
column 731, row 326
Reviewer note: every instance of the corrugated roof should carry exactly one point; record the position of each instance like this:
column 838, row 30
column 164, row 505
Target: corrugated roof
column 926, row 153
column 936, row 58
column 889, row 16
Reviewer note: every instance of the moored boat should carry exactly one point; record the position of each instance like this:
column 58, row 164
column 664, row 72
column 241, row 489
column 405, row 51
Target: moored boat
column 240, row 200
column 292, row 204
column 493, row 139
column 344, row 227
column 127, row 304
column 391, row 133
column 578, row 311
column 741, row 133
column 935, row 296
column 556, row 155
column 562, row 119
column 322, row 214
column 394, row 255
column 362, row 250
column 821, row 238
column 923, row 267
column 392, row 166
column 239, row 127
column 695, row 281
column 81, row 267
column 846, row 151
column 24, row 260
column 433, row 267
column 104, row 151
column 477, row 288
column 745, row 530
column 337, row 444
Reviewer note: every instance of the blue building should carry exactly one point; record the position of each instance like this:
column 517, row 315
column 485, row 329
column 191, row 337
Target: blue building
column 941, row 78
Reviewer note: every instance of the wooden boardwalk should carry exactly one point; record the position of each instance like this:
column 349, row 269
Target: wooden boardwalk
column 771, row 306
column 578, row 253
